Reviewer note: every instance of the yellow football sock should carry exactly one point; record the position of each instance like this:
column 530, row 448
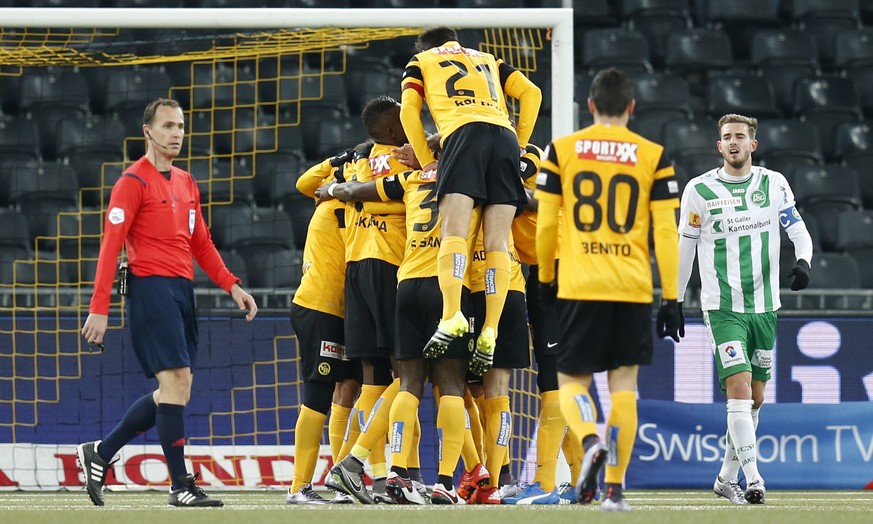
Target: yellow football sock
column 353, row 429
column 498, row 431
column 621, row 431
column 414, row 460
column 307, row 440
column 579, row 410
column 336, row 428
column 451, row 424
column 549, row 437
column 496, row 287
column 451, row 267
column 476, row 431
column 573, row 453
column 404, row 413
column 374, row 433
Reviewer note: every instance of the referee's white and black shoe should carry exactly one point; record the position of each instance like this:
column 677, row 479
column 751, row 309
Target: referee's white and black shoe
column 190, row 495
column 95, row 469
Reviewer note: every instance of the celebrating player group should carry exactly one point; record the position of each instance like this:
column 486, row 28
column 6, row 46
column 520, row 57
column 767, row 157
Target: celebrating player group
column 443, row 257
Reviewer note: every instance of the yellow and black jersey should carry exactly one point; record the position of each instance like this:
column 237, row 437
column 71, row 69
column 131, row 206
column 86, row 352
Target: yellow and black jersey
column 324, row 266
column 477, row 267
column 417, row 190
column 376, row 229
column 607, row 179
column 524, row 227
column 462, row 85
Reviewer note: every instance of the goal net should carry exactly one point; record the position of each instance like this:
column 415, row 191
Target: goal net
column 266, row 94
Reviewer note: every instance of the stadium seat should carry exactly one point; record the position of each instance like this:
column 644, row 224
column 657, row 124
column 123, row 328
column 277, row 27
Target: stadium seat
column 371, row 79
column 853, row 48
column 825, row 192
column 47, row 118
column 697, row 135
column 855, row 230
column 825, row 28
column 128, row 87
column 621, row 48
column 827, row 183
column 250, row 230
column 651, row 124
column 73, row 234
column 42, row 193
column 334, row 137
column 9, row 168
column 696, row 50
column 10, row 94
column 33, row 275
column 778, row 138
column 810, row 10
column 312, row 119
column 855, row 148
column 593, row 13
column 827, row 103
column 279, row 135
column 228, row 183
column 834, row 271
column 655, row 19
column 89, row 135
column 741, row 19
column 783, row 56
column 662, row 93
column 233, row 130
column 744, row 94
column 59, row 88
column 15, row 233
column 325, row 90
column 275, row 176
column 277, row 268
column 19, row 139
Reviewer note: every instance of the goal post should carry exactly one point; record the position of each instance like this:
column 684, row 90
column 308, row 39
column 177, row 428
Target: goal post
column 558, row 20
column 53, row 392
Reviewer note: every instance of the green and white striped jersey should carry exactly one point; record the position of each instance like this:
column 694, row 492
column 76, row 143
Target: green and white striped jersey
column 737, row 226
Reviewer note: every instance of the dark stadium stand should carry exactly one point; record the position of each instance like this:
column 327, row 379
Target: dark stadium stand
column 803, row 67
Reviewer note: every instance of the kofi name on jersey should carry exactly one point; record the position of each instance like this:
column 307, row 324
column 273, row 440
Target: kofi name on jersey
column 607, row 151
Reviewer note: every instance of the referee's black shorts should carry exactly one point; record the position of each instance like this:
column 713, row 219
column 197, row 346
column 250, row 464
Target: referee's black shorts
column 163, row 322
column 482, row 161
column 370, row 297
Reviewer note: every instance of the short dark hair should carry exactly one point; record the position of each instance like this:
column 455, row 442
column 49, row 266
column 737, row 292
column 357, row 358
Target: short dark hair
column 612, row 91
column 150, row 110
column 374, row 111
column 435, row 37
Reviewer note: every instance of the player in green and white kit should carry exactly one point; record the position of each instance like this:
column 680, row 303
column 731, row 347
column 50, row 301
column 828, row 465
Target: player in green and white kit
column 730, row 217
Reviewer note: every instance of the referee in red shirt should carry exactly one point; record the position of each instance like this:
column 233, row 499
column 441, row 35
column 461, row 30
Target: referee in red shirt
column 155, row 211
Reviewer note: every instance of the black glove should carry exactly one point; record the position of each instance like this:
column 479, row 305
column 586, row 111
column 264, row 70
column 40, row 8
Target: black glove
column 363, row 150
column 548, row 294
column 799, row 275
column 346, row 156
column 671, row 320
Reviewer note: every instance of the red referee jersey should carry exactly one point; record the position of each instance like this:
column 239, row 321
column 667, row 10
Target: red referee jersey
column 161, row 223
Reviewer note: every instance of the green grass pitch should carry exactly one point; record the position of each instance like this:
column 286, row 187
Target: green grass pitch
column 649, row 507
